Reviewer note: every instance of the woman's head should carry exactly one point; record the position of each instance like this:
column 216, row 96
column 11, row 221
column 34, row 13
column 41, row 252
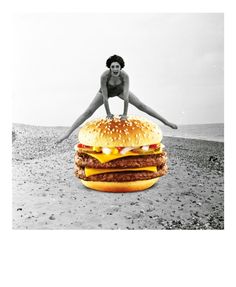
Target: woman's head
column 115, row 59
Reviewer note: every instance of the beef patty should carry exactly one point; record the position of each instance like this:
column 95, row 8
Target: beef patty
column 121, row 176
column 85, row 160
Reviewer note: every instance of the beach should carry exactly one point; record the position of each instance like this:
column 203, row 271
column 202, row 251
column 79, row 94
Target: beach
column 47, row 195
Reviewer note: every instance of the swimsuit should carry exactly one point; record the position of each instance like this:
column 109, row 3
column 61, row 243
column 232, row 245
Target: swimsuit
column 114, row 90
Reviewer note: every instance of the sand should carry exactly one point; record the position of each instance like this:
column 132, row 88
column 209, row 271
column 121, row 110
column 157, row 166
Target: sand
column 46, row 195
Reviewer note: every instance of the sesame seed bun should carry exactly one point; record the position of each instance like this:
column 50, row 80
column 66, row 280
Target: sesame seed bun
column 135, row 131
column 128, row 186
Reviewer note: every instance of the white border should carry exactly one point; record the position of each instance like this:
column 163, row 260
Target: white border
column 119, row 258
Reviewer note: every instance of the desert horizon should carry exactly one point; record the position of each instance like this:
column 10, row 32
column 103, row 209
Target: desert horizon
column 208, row 131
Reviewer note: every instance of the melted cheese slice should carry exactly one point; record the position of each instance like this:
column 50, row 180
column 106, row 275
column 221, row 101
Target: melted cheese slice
column 92, row 171
column 108, row 157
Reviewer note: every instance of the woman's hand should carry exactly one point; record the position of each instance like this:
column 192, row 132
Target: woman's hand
column 110, row 116
column 123, row 117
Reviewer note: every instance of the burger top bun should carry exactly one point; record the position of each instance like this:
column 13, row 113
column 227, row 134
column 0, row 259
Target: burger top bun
column 135, row 131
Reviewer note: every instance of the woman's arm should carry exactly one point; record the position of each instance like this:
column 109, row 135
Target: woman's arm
column 126, row 94
column 105, row 94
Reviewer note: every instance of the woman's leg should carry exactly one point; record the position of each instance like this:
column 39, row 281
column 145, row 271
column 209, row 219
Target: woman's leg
column 146, row 109
column 94, row 105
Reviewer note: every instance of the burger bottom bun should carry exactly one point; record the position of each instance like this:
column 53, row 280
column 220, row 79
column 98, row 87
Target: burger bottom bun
column 127, row 186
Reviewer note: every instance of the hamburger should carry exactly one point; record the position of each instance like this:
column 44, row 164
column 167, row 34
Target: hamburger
column 118, row 155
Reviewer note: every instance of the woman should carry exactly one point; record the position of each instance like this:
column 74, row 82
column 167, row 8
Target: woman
column 114, row 82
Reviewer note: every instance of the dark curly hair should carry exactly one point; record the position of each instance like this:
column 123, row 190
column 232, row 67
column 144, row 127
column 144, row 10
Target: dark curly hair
column 117, row 59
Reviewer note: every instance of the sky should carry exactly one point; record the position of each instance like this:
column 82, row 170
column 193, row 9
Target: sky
column 175, row 65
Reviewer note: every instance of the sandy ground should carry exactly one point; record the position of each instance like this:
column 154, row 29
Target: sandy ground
column 46, row 195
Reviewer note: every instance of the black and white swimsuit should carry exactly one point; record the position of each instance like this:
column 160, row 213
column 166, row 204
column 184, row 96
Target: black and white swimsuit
column 114, row 90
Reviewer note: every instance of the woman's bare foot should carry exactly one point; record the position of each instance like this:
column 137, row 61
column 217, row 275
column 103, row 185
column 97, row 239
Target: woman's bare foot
column 61, row 139
column 173, row 126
